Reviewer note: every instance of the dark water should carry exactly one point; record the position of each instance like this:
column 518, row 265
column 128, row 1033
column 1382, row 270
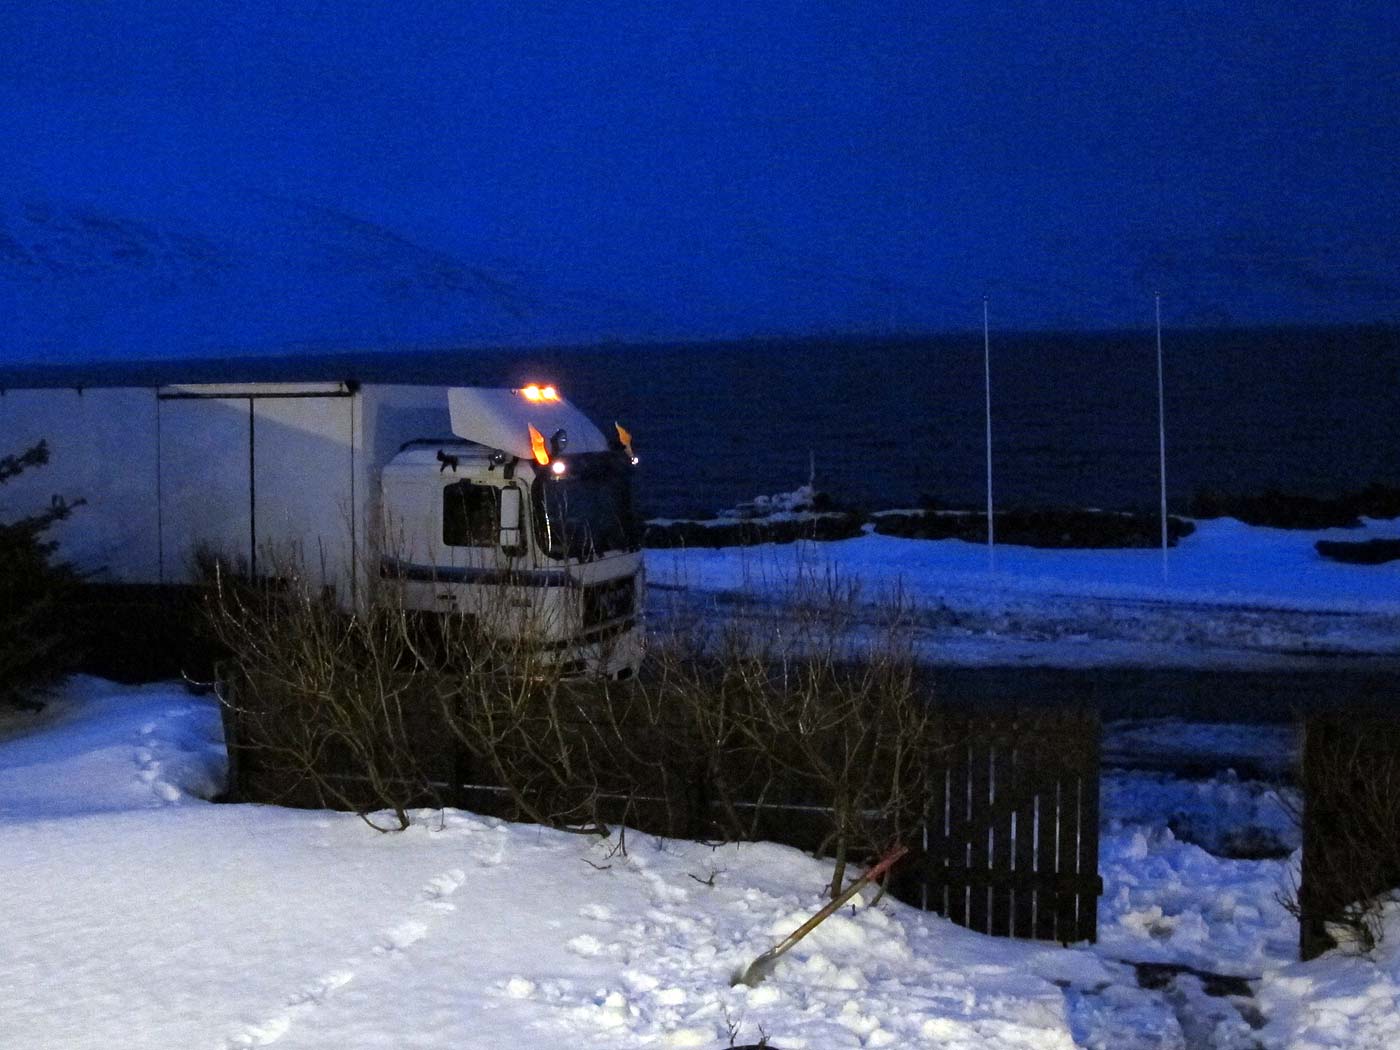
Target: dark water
column 1074, row 416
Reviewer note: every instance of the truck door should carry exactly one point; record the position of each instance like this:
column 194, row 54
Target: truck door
column 303, row 464
column 481, row 545
column 259, row 474
column 206, row 492
column 470, row 534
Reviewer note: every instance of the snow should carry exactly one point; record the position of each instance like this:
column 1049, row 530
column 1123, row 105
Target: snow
column 99, row 749
column 1221, row 813
column 1234, row 595
column 166, row 921
column 1170, row 901
column 780, row 506
column 1340, row 1000
column 143, row 915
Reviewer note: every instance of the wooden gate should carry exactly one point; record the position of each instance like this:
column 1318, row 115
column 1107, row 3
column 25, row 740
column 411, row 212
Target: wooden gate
column 1011, row 840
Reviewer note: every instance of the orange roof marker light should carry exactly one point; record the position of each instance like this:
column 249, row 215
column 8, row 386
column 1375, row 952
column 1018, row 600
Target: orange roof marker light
column 626, row 439
column 538, row 447
column 535, row 392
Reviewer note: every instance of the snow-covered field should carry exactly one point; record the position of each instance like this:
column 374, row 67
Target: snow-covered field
column 1233, row 596
column 137, row 914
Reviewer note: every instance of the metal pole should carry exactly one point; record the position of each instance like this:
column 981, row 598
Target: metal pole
column 1161, row 436
column 987, row 388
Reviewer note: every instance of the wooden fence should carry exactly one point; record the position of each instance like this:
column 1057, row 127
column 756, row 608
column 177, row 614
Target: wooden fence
column 1011, row 840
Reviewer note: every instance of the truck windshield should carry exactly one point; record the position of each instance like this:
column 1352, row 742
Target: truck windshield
column 588, row 511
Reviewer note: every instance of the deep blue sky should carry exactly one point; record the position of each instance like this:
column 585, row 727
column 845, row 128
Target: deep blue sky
column 699, row 169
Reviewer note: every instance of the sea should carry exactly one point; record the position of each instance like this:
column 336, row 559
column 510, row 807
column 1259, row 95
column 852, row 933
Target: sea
column 901, row 421
column 1074, row 417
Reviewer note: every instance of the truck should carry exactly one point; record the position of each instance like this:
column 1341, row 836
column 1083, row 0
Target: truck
column 463, row 496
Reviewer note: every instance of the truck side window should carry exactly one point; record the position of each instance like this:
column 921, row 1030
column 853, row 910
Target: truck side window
column 469, row 515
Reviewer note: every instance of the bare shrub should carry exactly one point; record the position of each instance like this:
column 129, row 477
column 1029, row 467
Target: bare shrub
column 535, row 728
column 765, row 721
column 768, row 720
column 36, row 646
column 327, row 703
column 370, row 709
column 808, row 704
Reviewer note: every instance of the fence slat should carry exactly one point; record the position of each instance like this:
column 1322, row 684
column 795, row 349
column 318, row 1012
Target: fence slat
column 958, row 846
column 1023, row 862
column 1090, row 886
column 936, row 836
column 1004, row 788
column 1066, row 899
column 1046, row 838
column 981, row 756
column 1319, row 812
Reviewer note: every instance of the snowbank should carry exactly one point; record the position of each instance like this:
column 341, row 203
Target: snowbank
column 1233, row 594
column 1221, row 813
column 142, row 916
column 1170, row 901
column 97, row 747
column 1339, row 1000
column 150, row 919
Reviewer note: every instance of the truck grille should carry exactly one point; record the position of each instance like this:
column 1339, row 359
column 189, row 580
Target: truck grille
column 608, row 601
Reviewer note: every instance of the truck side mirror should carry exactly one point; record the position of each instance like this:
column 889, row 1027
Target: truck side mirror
column 512, row 540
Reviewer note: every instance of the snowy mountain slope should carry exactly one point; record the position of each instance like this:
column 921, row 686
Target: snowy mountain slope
column 244, row 271
column 250, row 271
column 237, row 175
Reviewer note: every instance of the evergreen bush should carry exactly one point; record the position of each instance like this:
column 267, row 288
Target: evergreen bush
column 34, row 649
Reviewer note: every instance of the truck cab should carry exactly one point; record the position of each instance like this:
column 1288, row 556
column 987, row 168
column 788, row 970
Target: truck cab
column 521, row 519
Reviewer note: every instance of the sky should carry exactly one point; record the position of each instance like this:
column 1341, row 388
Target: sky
column 251, row 175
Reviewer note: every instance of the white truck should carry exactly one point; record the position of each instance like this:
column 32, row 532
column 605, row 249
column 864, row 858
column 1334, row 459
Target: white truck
column 457, row 492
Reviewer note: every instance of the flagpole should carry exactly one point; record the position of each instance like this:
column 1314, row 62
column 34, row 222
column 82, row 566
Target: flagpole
column 987, row 390
column 1161, row 437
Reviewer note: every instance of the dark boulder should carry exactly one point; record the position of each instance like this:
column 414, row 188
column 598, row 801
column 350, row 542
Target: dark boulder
column 1046, row 528
column 1367, row 552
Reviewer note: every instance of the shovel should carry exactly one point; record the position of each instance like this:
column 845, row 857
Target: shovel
column 763, row 965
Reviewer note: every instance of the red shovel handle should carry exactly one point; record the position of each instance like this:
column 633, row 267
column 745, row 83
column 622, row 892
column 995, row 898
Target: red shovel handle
column 886, row 862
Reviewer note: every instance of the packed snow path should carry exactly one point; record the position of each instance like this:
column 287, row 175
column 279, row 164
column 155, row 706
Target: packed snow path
column 1234, row 596
column 142, row 916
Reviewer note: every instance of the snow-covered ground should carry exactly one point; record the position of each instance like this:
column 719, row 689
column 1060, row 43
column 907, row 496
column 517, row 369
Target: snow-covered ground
column 140, row 915
column 1233, row 596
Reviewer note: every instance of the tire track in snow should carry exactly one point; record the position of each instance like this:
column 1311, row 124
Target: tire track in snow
column 391, row 942
column 1229, row 625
